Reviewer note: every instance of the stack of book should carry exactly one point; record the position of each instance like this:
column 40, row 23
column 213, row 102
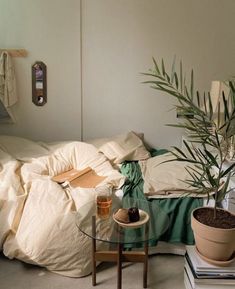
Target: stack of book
column 198, row 274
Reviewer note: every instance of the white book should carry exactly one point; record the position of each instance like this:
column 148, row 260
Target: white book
column 211, row 279
column 188, row 284
column 200, row 265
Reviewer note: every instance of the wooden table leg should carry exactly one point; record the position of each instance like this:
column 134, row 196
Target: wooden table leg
column 146, row 247
column 119, row 258
column 93, row 250
column 119, row 267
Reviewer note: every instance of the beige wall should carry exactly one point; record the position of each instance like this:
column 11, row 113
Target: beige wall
column 119, row 38
column 50, row 31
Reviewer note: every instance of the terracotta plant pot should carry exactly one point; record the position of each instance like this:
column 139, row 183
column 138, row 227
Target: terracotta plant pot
column 213, row 243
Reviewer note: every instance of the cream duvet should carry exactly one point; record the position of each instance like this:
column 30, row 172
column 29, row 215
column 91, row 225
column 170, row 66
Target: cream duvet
column 37, row 216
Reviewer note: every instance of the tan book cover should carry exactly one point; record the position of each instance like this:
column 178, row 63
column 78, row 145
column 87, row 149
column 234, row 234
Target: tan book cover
column 86, row 178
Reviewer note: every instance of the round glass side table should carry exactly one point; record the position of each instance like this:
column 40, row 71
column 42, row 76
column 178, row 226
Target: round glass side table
column 108, row 230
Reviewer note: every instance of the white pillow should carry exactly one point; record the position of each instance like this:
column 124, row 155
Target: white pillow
column 21, row 148
column 124, row 147
column 165, row 178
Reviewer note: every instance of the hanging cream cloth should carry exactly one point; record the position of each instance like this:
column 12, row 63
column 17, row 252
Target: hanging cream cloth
column 8, row 94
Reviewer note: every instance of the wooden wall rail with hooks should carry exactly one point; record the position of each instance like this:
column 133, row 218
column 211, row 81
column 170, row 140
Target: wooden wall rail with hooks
column 15, row 52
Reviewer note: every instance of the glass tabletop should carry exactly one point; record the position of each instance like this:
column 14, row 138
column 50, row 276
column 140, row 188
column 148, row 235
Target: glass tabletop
column 108, row 230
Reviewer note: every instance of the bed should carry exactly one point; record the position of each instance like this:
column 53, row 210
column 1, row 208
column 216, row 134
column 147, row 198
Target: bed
column 37, row 215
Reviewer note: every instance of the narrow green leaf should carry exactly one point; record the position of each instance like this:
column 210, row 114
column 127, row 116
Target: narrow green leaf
column 186, row 92
column 212, row 158
column 163, row 68
column 193, row 175
column 224, row 192
column 232, row 93
column 156, row 66
column 228, row 170
column 232, row 86
column 198, row 99
column 203, row 154
column 226, row 112
column 176, row 80
column 205, row 104
column 217, row 139
column 168, row 91
column 173, row 70
column 221, row 194
column 167, row 77
column 157, row 82
column 182, row 126
column 179, row 151
column 189, row 149
column 153, row 75
column 210, row 178
column 210, row 106
column 228, row 128
column 192, row 86
column 181, row 77
column 218, row 115
column 198, row 170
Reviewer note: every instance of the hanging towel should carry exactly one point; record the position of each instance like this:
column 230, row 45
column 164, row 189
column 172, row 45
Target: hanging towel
column 8, row 94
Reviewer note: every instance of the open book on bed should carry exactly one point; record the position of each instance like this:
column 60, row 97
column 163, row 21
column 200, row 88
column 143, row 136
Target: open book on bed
column 86, row 178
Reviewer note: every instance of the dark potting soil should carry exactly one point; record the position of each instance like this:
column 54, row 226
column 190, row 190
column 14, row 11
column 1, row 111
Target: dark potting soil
column 223, row 220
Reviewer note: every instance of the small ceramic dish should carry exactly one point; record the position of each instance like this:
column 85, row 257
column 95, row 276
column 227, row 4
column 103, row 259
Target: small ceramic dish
column 144, row 217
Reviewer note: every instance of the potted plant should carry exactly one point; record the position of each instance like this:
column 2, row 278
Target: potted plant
column 209, row 134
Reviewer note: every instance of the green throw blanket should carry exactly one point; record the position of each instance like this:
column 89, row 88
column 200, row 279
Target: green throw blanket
column 178, row 209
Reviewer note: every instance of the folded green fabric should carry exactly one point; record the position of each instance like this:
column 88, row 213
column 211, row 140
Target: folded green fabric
column 178, row 210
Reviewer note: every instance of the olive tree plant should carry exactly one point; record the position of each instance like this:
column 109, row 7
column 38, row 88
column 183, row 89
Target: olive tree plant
column 208, row 167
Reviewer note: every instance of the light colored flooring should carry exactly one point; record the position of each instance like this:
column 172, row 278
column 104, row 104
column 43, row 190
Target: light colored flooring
column 165, row 272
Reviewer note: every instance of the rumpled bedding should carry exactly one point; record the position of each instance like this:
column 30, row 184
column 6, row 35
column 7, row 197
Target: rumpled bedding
column 178, row 210
column 37, row 217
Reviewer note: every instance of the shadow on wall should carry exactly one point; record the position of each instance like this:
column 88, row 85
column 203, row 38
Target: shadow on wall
column 5, row 115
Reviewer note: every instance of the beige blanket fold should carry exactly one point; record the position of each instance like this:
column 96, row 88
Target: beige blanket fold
column 12, row 195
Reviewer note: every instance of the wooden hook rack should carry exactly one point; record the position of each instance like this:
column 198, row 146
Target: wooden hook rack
column 15, row 52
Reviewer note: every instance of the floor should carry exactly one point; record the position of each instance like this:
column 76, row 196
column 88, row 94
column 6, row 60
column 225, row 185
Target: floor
column 165, row 272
